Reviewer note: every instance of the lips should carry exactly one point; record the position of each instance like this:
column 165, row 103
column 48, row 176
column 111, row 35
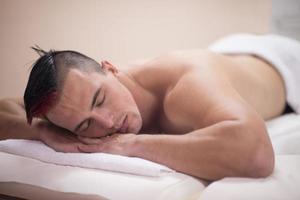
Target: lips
column 124, row 126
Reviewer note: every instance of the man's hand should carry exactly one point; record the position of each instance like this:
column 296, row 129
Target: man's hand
column 62, row 140
column 57, row 138
column 121, row 144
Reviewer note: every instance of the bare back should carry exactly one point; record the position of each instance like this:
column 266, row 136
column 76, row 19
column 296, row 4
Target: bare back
column 257, row 82
column 198, row 88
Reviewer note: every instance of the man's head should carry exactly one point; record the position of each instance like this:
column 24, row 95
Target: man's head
column 75, row 92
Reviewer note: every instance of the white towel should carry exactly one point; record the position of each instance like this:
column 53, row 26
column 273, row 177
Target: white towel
column 283, row 53
column 38, row 150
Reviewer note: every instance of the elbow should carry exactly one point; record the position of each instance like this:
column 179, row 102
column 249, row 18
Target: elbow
column 253, row 152
column 262, row 164
column 261, row 158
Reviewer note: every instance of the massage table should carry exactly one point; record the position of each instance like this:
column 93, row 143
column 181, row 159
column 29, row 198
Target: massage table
column 29, row 178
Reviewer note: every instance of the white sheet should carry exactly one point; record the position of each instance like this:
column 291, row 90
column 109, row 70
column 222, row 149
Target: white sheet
column 33, row 179
column 285, row 134
column 283, row 184
column 36, row 180
column 104, row 161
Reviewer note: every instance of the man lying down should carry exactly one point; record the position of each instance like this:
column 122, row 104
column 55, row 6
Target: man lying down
column 200, row 112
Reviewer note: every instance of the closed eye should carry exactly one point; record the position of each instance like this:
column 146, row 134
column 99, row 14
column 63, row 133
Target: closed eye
column 101, row 102
column 86, row 125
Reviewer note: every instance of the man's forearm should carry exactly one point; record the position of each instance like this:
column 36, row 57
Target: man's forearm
column 211, row 153
column 13, row 124
column 16, row 127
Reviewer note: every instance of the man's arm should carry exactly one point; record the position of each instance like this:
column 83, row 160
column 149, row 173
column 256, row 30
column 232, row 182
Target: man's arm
column 13, row 125
column 227, row 148
column 211, row 153
column 229, row 137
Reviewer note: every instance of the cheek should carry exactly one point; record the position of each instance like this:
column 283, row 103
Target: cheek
column 119, row 101
column 60, row 119
column 126, row 106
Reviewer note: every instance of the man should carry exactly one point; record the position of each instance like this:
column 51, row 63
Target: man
column 199, row 112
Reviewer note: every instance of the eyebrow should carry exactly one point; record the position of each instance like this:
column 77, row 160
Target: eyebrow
column 92, row 106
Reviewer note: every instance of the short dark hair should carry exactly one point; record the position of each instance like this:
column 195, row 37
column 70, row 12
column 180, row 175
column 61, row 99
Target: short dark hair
column 47, row 76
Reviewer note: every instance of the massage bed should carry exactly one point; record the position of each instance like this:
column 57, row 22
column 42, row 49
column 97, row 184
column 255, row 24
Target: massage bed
column 33, row 178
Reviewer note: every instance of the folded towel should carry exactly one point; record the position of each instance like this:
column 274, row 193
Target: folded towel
column 38, row 150
column 283, row 53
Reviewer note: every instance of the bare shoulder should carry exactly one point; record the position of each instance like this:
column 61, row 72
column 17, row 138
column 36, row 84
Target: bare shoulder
column 203, row 97
column 159, row 73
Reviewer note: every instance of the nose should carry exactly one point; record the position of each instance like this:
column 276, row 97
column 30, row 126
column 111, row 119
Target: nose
column 103, row 119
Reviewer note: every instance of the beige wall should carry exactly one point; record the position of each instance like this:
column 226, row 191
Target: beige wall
column 116, row 30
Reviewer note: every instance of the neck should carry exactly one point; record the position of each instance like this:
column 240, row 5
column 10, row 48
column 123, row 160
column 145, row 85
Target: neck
column 146, row 101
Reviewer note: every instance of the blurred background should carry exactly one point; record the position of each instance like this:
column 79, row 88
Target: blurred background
column 124, row 30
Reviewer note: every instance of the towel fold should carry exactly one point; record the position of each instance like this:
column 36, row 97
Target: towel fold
column 38, row 150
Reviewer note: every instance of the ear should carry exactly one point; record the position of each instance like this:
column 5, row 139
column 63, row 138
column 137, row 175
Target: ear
column 107, row 66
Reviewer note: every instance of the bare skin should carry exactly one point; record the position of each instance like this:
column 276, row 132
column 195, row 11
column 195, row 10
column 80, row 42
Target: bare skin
column 197, row 112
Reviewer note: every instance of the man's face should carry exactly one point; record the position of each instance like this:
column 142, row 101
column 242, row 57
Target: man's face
column 95, row 105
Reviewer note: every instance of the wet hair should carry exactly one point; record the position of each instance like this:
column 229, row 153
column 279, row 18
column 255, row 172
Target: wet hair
column 47, row 77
